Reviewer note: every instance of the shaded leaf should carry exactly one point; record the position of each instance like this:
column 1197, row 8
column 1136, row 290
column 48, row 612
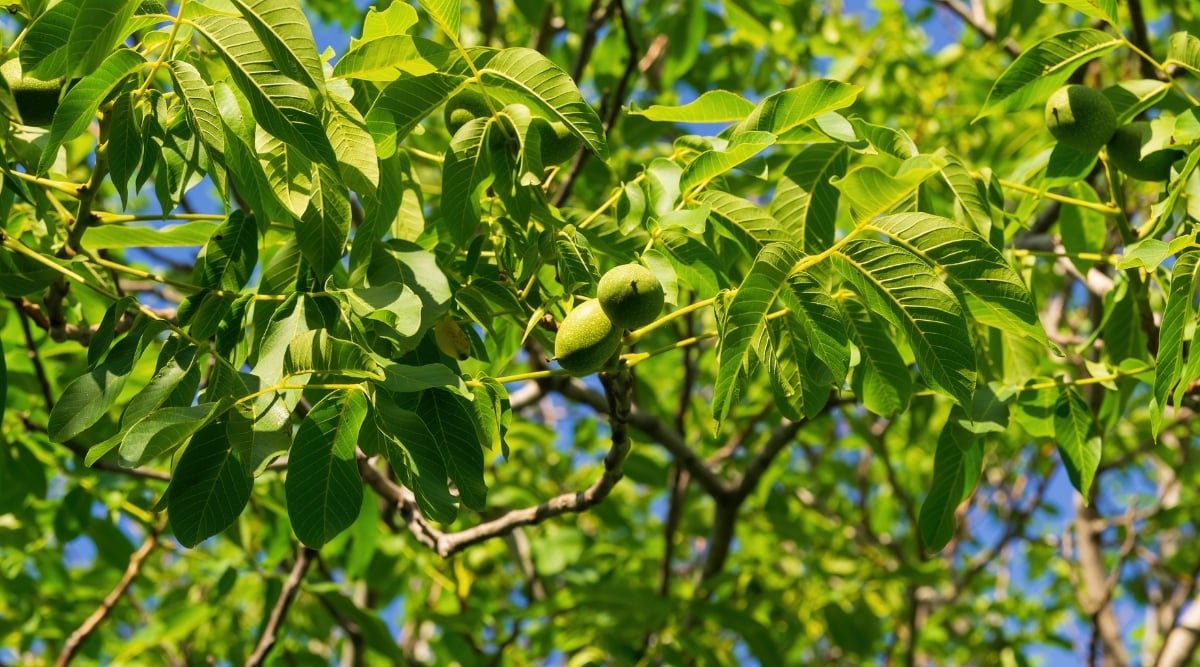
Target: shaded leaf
column 324, row 491
column 209, row 487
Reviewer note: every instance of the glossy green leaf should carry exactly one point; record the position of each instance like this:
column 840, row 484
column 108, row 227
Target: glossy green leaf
column 713, row 106
column 44, row 49
column 711, row 164
column 1045, row 66
column 1078, row 439
column 806, row 201
column 318, row 352
column 161, row 431
column 354, row 146
column 79, row 106
column 402, row 104
column 746, row 321
column 285, row 33
column 1182, row 49
column 195, row 233
column 873, row 191
column 880, row 380
column 324, row 491
column 209, row 487
column 231, row 254
column 747, row 224
column 203, row 114
column 958, row 458
column 99, row 25
column 324, row 227
column 794, row 107
column 281, row 105
column 465, row 173
column 1104, row 10
column 447, row 14
column 1000, row 297
column 1180, row 311
column 903, row 289
column 385, row 59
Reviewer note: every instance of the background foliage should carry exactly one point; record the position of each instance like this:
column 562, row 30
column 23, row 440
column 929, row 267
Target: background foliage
column 923, row 392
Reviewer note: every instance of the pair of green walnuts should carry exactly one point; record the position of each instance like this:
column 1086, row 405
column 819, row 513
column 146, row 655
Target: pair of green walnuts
column 557, row 142
column 1082, row 118
column 628, row 297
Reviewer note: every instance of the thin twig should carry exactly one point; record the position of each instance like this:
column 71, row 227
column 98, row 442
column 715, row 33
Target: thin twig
column 291, row 587
column 986, row 30
column 81, row 634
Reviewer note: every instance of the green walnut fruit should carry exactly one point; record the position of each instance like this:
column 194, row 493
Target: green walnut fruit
column 1080, row 117
column 1125, row 151
column 586, row 339
column 558, row 143
column 37, row 100
column 631, row 296
column 464, row 108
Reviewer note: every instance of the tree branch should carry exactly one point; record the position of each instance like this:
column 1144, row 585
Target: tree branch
column 979, row 25
column 81, row 634
column 291, row 587
column 1094, row 595
column 618, row 387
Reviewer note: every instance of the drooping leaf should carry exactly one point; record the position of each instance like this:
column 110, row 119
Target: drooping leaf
column 324, row 491
column 161, row 431
column 99, row 25
column 413, row 453
column 1179, row 311
column 903, row 289
column 202, row 111
column 958, row 457
column 44, row 49
column 806, row 201
column 872, row 191
column 81, row 103
column 85, row 400
column 285, row 33
column 230, row 255
column 354, row 147
column 450, row 420
column 325, row 225
column 1044, row 67
column 1078, row 439
column 881, row 379
column 465, row 173
column 447, row 14
column 281, row 105
column 1001, row 298
column 822, row 321
column 748, row 225
column 209, row 487
column 746, row 321
column 1182, row 49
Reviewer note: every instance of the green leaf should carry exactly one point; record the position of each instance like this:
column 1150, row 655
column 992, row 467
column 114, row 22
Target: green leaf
column 281, row 105
column 1182, row 49
column 393, row 304
column 1179, row 312
column 195, row 233
column 881, row 379
column 209, row 488
column 324, row 491
column 85, row 400
column 413, row 453
column 446, row 14
column 451, row 420
column 711, row 164
column 694, row 263
column 124, row 147
column 99, row 25
column 1078, row 439
column 824, row 324
column 746, row 321
column 958, row 458
column 317, row 352
column 466, row 171
column 748, row 225
column 231, row 254
column 203, row 114
column 402, row 104
column 969, row 192
column 971, row 264
column 354, row 147
column 873, row 191
column 79, row 106
column 1104, row 10
column 806, row 201
column 1041, row 69
column 287, row 36
column 1131, row 97
column 904, row 290
column 714, row 106
column 325, row 225
column 384, row 59
column 161, row 431
column 795, row 107
column 538, row 80
column 3, row 382
column 44, row 49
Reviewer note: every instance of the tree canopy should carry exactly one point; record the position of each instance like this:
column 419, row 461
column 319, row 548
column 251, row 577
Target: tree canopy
column 281, row 325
